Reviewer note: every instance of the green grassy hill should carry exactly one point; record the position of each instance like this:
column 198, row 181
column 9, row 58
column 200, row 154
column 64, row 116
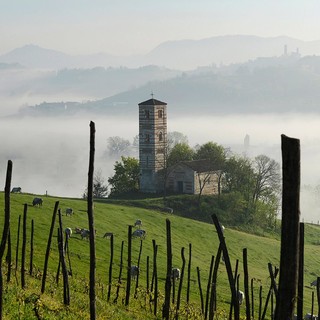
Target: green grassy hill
column 116, row 218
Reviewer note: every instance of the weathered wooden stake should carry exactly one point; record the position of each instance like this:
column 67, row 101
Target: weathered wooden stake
column 318, row 296
column 55, row 210
column 6, row 226
column 120, row 273
column 260, row 303
column 208, row 288
column 290, row 228
column 9, row 257
column 24, row 245
column 252, row 299
column 18, row 244
column 213, row 295
column 138, row 265
column 155, row 277
column 110, row 267
column 31, row 248
column 66, row 291
column 166, row 305
column 246, row 282
column 301, row 272
column 129, row 265
column 200, row 290
column 180, row 283
column 189, row 273
column 92, row 294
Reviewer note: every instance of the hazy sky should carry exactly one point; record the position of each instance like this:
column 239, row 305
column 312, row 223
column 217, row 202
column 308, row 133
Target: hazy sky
column 137, row 26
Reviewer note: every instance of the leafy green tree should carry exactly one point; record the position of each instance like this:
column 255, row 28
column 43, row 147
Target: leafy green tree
column 239, row 176
column 126, row 176
column 180, row 152
column 212, row 151
column 217, row 154
column 258, row 182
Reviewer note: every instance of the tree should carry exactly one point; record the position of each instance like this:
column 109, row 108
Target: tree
column 258, row 181
column 100, row 189
column 180, row 152
column 267, row 177
column 118, row 146
column 217, row 156
column 126, row 177
column 176, row 137
column 239, row 176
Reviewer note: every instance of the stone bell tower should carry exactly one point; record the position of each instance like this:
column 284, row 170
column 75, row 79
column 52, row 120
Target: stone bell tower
column 152, row 144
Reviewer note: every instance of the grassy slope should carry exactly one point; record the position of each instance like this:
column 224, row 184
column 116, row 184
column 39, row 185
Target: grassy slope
column 116, row 218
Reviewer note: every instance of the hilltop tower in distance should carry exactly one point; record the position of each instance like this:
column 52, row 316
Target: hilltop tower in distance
column 152, row 144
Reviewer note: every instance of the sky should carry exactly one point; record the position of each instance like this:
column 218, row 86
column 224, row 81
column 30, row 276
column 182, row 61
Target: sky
column 126, row 27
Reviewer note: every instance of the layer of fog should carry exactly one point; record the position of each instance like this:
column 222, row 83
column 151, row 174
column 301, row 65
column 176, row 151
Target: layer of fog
column 52, row 154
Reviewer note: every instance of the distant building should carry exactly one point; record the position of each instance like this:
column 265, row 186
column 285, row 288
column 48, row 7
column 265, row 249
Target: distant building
column 190, row 177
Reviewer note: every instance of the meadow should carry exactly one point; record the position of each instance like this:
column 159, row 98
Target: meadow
column 29, row 303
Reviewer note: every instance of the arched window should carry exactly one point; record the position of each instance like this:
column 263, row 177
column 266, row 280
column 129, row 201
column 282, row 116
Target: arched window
column 147, row 137
column 160, row 136
column 147, row 114
column 160, row 113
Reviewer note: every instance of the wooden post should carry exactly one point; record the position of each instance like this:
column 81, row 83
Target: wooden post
column 301, row 272
column 110, row 267
column 120, row 273
column 290, row 228
column 208, row 288
column 246, row 282
column 200, row 290
column 180, row 283
column 66, row 292
column 24, row 244
column 155, row 277
column 9, row 257
column 6, row 226
column 31, row 248
column 228, row 266
column 129, row 266
column 252, row 300
column 147, row 275
column 17, row 246
column 318, row 296
column 92, row 295
column 45, row 268
column 138, row 265
column 269, row 294
column 189, row 273
column 213, row 295
column 166, row 305
column 260, row 303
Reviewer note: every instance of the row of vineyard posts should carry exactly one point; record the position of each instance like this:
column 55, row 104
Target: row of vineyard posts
column 280, row 299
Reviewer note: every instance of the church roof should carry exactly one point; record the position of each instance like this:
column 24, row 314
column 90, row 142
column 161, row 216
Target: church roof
column 200, row 165
column 152, row 102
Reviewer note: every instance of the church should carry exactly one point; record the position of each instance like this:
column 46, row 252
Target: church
column 189, row 177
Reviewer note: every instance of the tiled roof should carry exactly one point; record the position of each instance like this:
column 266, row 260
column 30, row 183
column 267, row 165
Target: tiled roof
column 200, row 165
column 152, row 102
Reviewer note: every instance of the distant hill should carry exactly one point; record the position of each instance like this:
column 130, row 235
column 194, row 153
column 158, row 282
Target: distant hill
column 180, row 54
column 283, row 84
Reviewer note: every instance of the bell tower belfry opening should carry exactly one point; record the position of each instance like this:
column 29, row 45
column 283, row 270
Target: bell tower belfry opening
column 152, row 144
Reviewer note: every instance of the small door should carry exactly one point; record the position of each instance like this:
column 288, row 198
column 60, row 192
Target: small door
column 180, row 186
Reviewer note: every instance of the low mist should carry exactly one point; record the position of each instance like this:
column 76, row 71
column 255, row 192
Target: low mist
column 51, row 155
